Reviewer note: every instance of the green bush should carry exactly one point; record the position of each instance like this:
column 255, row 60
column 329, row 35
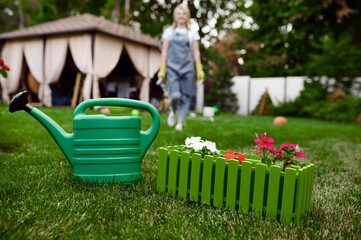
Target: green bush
column 313, row 102
column 343, row 110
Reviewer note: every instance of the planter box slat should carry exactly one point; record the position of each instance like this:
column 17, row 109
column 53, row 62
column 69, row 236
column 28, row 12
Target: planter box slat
column 299, row 194
column 307, row 184
column 173, row 168
column 207, row 180
column 213, row 181
column 184, row 175
column 195, row 177
column 273, row 188
column 244, row 194
column 260, row 175
column 312, row 171
column 162, row 169
column 219, row 182
column 232, row 184
column 288, row 195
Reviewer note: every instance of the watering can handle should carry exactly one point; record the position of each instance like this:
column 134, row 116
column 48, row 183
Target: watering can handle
column 148, row 136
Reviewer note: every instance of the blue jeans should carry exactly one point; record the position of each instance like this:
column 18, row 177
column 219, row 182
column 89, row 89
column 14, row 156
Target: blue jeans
column 183, row 105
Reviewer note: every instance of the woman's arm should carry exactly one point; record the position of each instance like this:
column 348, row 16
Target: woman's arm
column 165, row 50
column 197, row 59
column 196, row 52
column 163, row 62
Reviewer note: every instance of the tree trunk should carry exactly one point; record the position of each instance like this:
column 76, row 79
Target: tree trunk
column 116, row 11
column 21, row 15
column 70, row 7
column 126, row 13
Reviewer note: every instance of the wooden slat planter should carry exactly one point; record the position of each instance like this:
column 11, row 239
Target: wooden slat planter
column 250, row 186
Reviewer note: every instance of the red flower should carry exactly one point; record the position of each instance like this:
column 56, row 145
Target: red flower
column 6, row 67
column 241, row 157
column 230, row 155
column 264, row 142
column 1, row 61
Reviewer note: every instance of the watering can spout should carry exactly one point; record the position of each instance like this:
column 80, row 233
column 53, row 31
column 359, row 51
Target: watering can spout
column 62, row 138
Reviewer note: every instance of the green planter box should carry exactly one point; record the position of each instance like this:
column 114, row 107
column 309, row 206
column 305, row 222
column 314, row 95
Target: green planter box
column 250, row 186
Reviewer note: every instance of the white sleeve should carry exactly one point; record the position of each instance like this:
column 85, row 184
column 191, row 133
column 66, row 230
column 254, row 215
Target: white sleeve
column 167, row 33
column 195, row 36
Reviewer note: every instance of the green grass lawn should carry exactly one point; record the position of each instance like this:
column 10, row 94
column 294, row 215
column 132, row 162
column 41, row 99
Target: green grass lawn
column 40, row 199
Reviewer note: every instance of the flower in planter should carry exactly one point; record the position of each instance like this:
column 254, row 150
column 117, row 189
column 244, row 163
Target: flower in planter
column 192, row 140
column 298, row 152
column 232, row 155
column 3, row 68
column 286, row 154
column 264, row 142
column 211, row 146
column 265, row 146
column 198, row 145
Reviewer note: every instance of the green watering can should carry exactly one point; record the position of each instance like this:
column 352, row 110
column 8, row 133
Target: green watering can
column 101, row 148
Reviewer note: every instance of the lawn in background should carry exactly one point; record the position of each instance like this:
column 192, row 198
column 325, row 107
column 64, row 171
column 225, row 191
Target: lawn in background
column 39, row 197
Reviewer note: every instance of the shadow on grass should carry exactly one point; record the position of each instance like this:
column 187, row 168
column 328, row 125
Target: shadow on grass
column 8, row 146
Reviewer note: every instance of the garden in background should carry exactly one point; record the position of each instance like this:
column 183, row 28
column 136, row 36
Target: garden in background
column 39, row 197
column 317, row 100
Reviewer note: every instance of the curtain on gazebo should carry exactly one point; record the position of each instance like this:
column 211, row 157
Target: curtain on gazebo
column 46, row 67
column 13, row 54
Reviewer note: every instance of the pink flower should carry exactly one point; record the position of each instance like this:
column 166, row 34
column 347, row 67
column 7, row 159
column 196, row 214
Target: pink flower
column 301, row 155
column 258, row 152
column 278, row 153
column 286, row 145
column 264, row 142
column 298, row 152
column 295, row 149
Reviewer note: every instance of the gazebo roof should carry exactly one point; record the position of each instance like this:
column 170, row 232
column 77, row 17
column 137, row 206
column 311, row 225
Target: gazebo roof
column 82, row 23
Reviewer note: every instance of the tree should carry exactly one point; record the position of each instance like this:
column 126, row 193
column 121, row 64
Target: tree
column 214, row 18
column 290, row 35
column 21, row 13
column 222, row 59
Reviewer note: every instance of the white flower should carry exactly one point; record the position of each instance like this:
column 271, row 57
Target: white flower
column 197, row 146
column 297, row 149
column 193, row 140
column 211, row 146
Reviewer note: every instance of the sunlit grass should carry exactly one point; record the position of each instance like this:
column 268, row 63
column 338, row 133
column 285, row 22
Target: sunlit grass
column 40, row 199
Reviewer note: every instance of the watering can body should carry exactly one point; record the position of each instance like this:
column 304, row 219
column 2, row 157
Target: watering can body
column 104, row 148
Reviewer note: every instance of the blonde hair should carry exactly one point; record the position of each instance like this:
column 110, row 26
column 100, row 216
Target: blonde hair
column 187, row 12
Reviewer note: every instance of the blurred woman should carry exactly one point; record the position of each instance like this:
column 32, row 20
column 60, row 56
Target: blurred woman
column 181, row 64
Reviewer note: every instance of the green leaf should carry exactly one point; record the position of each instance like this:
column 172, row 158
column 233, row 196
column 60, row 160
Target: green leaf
column 3, row 73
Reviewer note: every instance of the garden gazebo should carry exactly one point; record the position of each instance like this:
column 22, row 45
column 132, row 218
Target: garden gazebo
column 95, row 46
